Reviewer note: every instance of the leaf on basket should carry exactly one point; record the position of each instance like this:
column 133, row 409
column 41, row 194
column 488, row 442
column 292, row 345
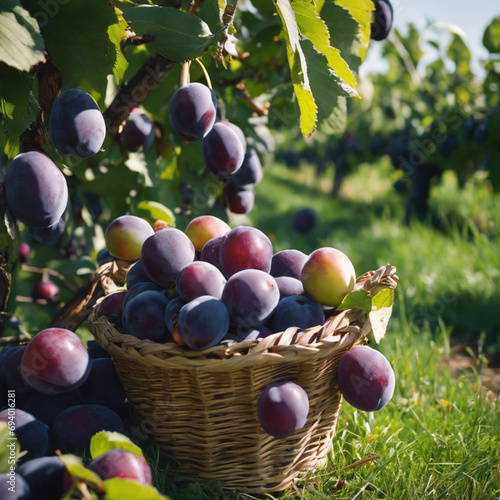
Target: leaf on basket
column 381, row 313
column 118, row 489
column 104, row 441
column 359, row 299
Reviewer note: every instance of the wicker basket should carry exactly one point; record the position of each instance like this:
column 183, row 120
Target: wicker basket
column 199, row 406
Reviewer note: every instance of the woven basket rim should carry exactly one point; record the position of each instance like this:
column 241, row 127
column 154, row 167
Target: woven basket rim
column 339, row 330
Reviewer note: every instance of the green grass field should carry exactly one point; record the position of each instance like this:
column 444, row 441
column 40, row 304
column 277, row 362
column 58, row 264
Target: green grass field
column 439, row 437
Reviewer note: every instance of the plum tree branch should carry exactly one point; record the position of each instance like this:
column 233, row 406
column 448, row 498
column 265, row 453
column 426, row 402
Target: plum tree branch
column 133, row 92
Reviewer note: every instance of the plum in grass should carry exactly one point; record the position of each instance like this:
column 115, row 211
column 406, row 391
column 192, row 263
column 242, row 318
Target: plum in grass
column 55, row 361
column 126, row 235
column 122, row 464
column 103, row 386
column 204, row 228
column 199, row 278
column 143, row 316
column 75, row 426
column 165, row 253
column 222, row 150
column 192, row 110
column 365, row 378
column 10, row 373
column 250, row 297
column 282, row 409
column 46, row 407
column 245, row 247
column 305, row 220
column 138, row 132
column 76, row 124
column 33, row 435
column 328, row 276
column 203, row 322
column 14, row 487
column 37, row 192
column 47, row 477
column 382, row 20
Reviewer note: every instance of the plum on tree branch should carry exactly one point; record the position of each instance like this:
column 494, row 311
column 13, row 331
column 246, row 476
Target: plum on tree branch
column 133, row 92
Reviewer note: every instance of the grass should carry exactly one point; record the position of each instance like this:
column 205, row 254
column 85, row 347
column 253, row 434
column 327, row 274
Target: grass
column 439, row 436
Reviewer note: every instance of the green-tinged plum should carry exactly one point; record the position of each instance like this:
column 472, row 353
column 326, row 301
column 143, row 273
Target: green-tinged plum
column 126, row 235
column 328, row 276
column 204, row 228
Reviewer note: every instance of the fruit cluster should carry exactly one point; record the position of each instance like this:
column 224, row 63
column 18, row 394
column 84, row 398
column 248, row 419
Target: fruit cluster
column 211, row 284
column 56, row 395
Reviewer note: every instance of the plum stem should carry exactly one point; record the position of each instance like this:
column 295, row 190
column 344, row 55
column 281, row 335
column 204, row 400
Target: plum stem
column 205, row 73
column 185, row 79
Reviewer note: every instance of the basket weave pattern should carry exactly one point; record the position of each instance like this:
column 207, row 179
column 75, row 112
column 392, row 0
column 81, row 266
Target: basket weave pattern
column 199, row 406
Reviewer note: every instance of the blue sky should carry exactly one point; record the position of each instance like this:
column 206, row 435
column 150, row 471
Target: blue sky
column 471, row 16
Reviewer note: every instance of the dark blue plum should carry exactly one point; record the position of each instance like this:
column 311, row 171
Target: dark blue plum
column 76, row 124
column 203, row 322
column 36, row 189
column 297, row 311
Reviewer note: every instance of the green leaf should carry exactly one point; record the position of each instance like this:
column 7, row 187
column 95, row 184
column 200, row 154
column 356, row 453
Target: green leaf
column 179, row 36
column 120, row 489
column 298, row 67
column 384, row 298
column 76, row 468
column 380, row 315
column 9, row 449
column 21, row 45
column 314, row 28
column 346, row 31
column 361, row 13
column 104, row 441
column 117, row 32
column 76, row 36
column 359, row 299
column 154, row 210
column 326, row 86
column 491, row 37
column 16, row 113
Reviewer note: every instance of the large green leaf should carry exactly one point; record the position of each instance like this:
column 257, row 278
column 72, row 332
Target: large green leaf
column 105, row 441
column 314, row 28
column 178, row 35
column 298, row 67
column 21, row 45
column 16, row 111
column 121, row 489
column 349, row 28
column 76, row 36
column 491, row 37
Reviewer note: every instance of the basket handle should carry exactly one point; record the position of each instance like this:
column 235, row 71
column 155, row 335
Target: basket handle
column 374, row 281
